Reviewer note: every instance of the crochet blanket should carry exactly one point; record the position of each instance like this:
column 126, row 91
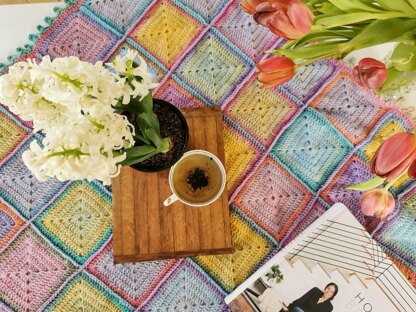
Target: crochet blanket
column 290, row 152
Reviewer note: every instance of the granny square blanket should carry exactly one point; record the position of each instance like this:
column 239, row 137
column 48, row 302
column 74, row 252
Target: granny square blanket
column 290, row 152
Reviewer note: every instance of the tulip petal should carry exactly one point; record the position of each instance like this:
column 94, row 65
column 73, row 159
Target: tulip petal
column 300, row 16
column 401, row 168
column 394, row 151
column 377, row 78
column 368, row 62
column 412, row 170
column 275, row 63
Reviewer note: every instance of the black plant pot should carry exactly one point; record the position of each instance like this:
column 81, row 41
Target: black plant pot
column 173, row 126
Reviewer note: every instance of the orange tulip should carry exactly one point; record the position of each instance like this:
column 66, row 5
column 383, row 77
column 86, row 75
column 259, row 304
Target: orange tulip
column 275, row 70
column 249, row 6
column 290, row 19
column 370, row 73
column 395, row 156
column 377, row 203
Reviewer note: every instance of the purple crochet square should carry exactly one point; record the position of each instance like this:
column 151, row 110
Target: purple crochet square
column 133, row 282
column 31, row 271
column 172, row 92
column 78, row 35
column 188, row 288
column 273, row 198
column 241, row 29
column 353, row 172
column 309, row 79
column 352, row 110
column 20, row 189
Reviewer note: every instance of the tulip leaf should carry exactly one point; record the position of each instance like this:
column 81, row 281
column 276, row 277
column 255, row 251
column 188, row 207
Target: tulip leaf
column 391, row 29
column 392, row 76
column 367, row 185
column 353, row 18
column 412, row 3
column 323, row 50
column 353, row 6
column 404, row 57
column 398, row 5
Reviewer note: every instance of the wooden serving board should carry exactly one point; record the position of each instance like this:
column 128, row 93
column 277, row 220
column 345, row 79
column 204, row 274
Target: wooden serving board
column 144, row 229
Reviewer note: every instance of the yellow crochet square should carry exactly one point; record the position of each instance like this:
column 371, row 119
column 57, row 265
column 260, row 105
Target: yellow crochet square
column 260, row 111
column 79, row 220
column 166, row 31
column 238, row 155
column 250, row 248
column 81, row 296
column 388, row 130
column 10, row 135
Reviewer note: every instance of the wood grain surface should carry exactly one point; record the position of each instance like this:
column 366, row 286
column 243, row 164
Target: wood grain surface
column 144, row 229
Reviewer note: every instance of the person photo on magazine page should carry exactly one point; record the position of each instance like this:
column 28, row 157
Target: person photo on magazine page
column 314, row 300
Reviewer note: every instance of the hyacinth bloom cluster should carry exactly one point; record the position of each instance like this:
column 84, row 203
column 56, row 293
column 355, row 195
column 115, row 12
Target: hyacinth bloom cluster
column 320, row 29
column 71, row 102
column 394, row 158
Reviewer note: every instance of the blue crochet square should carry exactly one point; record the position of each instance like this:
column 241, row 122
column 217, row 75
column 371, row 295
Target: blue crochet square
column 118, row 14
column 20, row 188
column 312, row 148
column 214, row 68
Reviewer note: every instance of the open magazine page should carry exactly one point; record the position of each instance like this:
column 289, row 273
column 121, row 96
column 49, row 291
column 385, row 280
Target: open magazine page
column 334, row 265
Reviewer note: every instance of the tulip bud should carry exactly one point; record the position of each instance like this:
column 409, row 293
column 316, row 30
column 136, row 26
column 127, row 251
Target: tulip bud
column 377, row 203
column 370, row 73
column 275, row 70
column 290, row 19
column 395, row 156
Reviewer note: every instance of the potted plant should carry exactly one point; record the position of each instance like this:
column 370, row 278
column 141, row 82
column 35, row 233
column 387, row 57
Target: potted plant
column 80, row 108
column 275, row 274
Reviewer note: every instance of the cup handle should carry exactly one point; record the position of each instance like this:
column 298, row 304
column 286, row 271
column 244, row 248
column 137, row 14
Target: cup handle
column 170, row 200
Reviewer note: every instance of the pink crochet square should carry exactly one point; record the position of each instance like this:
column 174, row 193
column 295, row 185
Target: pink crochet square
column 273, row 198
column 172, row 92
column 31, row 271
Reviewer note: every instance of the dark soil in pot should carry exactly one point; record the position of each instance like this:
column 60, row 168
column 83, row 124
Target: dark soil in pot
column 173, row 126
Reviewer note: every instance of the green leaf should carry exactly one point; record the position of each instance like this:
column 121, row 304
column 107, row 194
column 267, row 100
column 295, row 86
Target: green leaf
column 412, row 3
column 368, row 185
column 353, row 6
column 392, row 75
column 136, row 106
column 139, row 137
column 404, row 57
column 391, row 29
column 146, row 120
column 323, row 50
column 137, row 151
column 352, row 18
column 397, row 5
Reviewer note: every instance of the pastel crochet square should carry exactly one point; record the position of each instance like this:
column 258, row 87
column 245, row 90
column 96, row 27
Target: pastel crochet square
column 353, row 113
column 165, row 31
column 172, row 92
column 187, row 289
column 307, row 217
column 155, row 69
column 261, row 112
column 79, row 221
column 133, row 282
column 240, row 28
column 354, row 171
column 11, row 133
column 309, row 79
column 84, row 293
column 400, row 232
column 10, row 223
column 312, row 148
column 31, row 270
column 240, row 156
column 207, row 9
column 251, row 246
column 273, row 198
column 213, row 68
column 78, row 35
column 119, row 14
column 20, row 189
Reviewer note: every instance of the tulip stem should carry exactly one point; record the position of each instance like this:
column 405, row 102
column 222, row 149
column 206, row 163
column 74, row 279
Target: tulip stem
column 388, row 185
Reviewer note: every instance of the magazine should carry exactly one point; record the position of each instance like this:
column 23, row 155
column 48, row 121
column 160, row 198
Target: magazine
column 334, row 265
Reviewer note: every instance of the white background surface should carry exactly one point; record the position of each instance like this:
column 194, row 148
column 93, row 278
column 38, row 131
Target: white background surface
column 18, row 21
